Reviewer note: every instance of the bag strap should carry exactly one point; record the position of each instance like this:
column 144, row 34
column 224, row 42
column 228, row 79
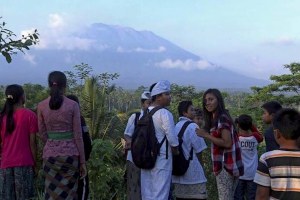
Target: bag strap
column 137, row 116
column 180, row 135
column 156, row 108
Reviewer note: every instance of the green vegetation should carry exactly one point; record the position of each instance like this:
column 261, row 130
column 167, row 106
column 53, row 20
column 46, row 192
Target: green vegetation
column 9, row 45
column 106, row 109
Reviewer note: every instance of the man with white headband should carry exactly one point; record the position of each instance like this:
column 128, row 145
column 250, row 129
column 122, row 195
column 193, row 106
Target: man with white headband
column 156, row 182
column 133, row 174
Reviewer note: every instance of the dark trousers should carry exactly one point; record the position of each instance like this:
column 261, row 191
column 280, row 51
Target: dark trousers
column 83, row 188
column 245, row 189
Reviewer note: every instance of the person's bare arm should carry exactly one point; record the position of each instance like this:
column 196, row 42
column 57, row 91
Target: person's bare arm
column 262, row 193
column 225, row 140
column 33, row 146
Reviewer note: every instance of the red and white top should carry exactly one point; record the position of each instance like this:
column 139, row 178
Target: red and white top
column 248, row 146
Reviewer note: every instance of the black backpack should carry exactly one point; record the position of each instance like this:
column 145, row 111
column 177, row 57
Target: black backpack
column 180, row 164
column 144, row 145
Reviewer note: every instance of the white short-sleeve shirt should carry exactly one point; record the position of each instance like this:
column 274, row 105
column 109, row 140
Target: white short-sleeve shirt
column 195, row 173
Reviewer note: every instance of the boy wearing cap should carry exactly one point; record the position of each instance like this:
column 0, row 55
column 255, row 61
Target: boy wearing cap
column 156, row 182
column 133, row 173
column 278, row 172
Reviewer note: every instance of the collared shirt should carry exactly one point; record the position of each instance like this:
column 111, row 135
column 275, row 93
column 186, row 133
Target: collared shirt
column 194, row 173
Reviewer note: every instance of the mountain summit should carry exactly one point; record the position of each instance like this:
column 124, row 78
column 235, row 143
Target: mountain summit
column 140, row 57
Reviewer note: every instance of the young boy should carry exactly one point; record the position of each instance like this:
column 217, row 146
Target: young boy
column 249, row 138
column 192, row 185
column 269, row 109
column 155, row 182
column 133, row 173
column 198, row 119
column 278, row 172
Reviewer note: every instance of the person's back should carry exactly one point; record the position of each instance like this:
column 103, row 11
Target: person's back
column 193, row 183
column 269, row 110
column 278, row 172
column 155, row 183
column 133, row 173
column 60, row 130
column 18, row 127
column 249, row 138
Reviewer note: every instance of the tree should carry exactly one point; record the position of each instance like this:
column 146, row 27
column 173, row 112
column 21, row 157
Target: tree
column 10, row 46
column 285, row 88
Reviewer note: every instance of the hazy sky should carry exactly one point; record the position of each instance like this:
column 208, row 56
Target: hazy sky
column 254, row 37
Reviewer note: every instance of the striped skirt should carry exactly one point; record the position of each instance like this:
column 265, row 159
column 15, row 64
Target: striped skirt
column 17, row 183
column 61, row 177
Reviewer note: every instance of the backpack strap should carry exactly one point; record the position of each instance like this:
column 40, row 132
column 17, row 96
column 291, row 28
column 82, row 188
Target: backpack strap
column 156, row 108
column 151, row 113
column 180, row 135
column 137, row 116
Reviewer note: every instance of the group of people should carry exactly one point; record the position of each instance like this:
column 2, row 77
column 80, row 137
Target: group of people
column 65, row 138
column 238, row 171
column 62, row 130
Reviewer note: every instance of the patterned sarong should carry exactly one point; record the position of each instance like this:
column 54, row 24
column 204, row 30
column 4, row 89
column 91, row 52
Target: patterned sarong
column 61, row 177
column 16, row 183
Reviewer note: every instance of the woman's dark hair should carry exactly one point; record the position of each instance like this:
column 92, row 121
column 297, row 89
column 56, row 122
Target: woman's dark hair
column 73, row 97
column 208, row 116
column 183, row 107
column 57, row 82
column 13, row 94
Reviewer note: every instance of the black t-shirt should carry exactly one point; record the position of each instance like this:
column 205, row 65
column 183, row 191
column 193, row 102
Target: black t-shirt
column 271, row 143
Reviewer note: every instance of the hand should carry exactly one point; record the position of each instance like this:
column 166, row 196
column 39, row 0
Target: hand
column 83, row 170
column 128, row 145
column 201, row 132
column 175, row 150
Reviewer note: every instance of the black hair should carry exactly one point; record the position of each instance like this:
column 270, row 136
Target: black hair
column 73, row 97
column 244, row 122
column 13, row 95
column 183, row 106
column 153, row 98
column 198, row 112
column 272, row 107
column 287, row 121
column 143, row 100
column 211, row 122
column 57, row 82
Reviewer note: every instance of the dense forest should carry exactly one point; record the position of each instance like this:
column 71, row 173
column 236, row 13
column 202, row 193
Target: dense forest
column 107, row 107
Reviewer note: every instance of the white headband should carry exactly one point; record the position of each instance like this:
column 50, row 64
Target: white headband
column 145, row 95
column 161, row 87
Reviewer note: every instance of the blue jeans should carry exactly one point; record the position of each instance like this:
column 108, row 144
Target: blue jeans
column 245, row 188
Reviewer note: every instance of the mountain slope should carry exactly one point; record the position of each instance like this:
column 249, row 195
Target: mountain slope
column 140, row 57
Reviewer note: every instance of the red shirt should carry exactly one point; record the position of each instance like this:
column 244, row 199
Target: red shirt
column 16, row 149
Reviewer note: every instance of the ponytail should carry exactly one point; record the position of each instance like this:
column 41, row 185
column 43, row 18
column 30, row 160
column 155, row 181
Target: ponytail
column 13, row 95
column 57, row 82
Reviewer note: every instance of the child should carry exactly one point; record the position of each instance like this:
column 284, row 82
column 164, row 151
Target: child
column 278, row 172
column 133, row 173
column 155, row 182
column 198, row 119
column 249, row 138
column 269, row 109
column 192, row 185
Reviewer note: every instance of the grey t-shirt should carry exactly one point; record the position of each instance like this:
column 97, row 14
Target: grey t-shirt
column 271, row 143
